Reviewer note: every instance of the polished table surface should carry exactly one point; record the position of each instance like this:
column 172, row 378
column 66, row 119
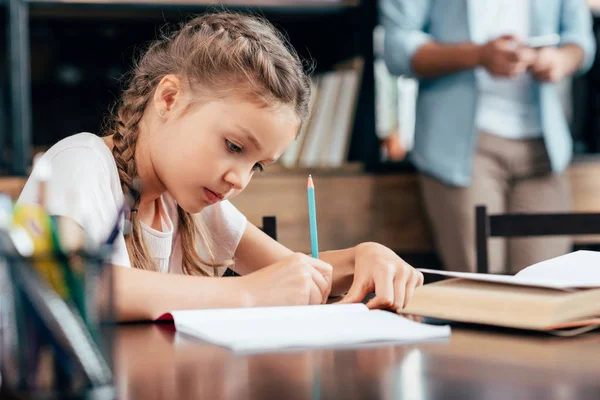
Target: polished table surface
column 154, row 362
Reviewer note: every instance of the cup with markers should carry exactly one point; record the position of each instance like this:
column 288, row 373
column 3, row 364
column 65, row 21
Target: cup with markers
column 56, row 301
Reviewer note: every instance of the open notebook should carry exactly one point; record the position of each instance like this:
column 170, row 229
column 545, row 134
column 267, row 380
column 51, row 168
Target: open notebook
column 275, row 328
column 554, row 295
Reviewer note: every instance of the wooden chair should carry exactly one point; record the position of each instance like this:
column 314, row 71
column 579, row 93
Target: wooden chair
column 269, row 226
column 526, row 225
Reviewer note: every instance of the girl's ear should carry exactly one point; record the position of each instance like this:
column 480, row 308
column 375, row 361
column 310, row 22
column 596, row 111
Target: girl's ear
column 168, row 96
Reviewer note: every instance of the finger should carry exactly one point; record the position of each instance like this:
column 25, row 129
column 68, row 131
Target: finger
column 384, row 290
column 411, row 285
column 324, row 268
column 400, row 283
column 541, row 65
column 506, row 69
column 528, row 56
column 511, row 56
column 412, row 317
column 511, row 40
column 322, row 284
column 421, row 279
column 543, row 60
column 356, row 293
column 416, row 318
column 537, row 68
column 315, row 296
column 554, row 75
column 521, row 67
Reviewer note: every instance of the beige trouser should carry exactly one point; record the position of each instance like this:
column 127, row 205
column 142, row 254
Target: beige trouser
column 508, row 176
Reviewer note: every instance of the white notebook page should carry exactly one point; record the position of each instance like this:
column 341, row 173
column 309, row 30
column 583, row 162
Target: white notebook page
column 580, row 269
column 275, row 328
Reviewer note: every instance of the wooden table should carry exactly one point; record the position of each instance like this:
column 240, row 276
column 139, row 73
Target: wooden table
column 153, row 362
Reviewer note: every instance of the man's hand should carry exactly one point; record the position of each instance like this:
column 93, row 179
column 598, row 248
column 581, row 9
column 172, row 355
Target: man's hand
column 548, row 65
column 506, row 57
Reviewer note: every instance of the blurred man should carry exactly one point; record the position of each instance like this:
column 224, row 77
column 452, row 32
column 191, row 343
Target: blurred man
column 489, row 127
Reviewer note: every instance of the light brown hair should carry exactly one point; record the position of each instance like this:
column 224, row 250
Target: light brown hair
column 221, row 51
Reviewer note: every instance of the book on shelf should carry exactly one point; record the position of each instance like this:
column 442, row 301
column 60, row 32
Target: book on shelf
column 289, row 158
column 560, row 295
column 324, row 140
column 323, row 119
column 335, row 151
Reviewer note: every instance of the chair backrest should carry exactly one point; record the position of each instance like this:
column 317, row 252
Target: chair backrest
column 269, row 226
column 525, row 225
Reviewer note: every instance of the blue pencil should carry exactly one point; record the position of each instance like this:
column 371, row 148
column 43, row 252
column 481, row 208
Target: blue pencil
column 312, row 218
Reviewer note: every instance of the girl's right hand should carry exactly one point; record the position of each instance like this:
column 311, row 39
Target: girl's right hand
column 295, row 280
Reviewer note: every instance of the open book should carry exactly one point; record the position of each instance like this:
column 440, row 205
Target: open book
column 557, row 294
column 275, row 328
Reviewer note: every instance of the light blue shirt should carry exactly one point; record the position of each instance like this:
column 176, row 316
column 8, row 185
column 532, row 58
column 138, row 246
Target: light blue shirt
column 507, row 107
column 445, row 132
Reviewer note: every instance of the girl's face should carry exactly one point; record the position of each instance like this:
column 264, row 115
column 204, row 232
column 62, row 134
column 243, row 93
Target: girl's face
column 210, row 153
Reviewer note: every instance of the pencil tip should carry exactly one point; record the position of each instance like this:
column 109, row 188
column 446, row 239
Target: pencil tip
column 310, row 182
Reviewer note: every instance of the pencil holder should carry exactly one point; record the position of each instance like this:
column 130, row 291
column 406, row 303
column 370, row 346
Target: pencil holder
column 58, row 326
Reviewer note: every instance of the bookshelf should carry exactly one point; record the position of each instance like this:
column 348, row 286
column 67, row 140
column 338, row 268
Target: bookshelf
column 65, row 57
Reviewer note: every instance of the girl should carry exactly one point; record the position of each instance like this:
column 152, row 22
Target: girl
column 206, row 107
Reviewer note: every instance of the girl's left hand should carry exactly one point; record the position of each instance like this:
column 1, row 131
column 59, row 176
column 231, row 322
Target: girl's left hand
column 379, row 269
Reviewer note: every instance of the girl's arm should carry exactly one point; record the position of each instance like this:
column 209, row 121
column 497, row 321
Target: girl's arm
column 146, row 295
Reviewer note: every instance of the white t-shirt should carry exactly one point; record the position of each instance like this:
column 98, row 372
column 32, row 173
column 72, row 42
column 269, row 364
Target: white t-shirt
column 507, row 107
column 85, row 186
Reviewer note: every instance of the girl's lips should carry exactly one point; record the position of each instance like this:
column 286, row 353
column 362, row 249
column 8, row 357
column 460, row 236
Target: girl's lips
column 212, row 197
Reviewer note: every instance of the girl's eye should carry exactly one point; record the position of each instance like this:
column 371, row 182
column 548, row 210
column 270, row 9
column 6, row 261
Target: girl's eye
column 232, row 147
column 258, row 167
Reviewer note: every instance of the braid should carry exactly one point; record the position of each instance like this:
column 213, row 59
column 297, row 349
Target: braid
column 124, row 134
